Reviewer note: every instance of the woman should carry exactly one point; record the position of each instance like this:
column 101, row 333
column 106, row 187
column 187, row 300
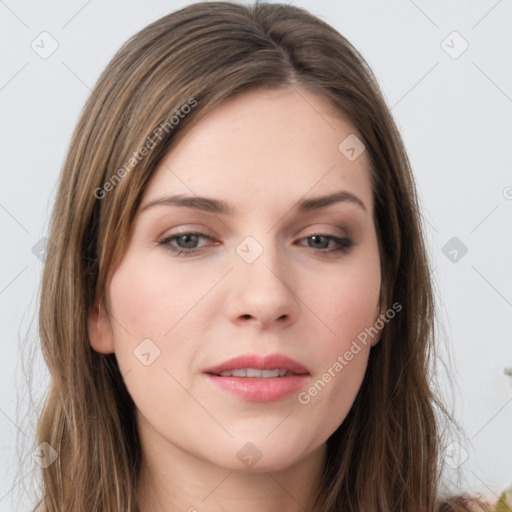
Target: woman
column 236, row 309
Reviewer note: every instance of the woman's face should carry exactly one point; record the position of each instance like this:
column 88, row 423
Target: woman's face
column 264, row 277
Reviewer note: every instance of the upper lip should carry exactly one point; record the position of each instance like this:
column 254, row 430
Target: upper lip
column 259, row 362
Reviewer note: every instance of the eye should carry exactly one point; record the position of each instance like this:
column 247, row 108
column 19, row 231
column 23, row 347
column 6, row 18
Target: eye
column 187, row 243
column 321, row 242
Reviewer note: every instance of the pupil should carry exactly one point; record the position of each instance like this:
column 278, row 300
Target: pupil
column 187, row 240
column 317, row 237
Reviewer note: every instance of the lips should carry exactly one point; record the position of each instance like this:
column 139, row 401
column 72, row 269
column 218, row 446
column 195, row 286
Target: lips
column 254, row 365
column 256, row 378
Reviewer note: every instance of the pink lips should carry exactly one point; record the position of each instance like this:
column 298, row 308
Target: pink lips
column 260, row 389
column 269, row 362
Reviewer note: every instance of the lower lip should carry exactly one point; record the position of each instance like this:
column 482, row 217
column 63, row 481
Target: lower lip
column 256, row 389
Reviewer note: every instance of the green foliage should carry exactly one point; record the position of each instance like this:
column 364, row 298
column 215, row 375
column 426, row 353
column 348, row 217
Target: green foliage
column 505, row 502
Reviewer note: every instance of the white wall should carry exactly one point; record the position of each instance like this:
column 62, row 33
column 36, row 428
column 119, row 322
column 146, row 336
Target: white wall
column 455, row 115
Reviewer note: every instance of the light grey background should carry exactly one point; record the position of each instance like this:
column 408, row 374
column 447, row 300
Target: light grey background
column 454, row 112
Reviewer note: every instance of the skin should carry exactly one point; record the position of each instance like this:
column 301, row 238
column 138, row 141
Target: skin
column 261, row 152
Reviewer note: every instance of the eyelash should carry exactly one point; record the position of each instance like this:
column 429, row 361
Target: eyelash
column 344, row 244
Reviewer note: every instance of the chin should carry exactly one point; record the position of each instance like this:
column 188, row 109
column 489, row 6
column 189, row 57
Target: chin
column 264, row 455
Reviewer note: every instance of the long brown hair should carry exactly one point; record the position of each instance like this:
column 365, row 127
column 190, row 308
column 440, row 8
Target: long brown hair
column 385, row 455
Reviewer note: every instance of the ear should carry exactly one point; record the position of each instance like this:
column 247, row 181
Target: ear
column 101, row 336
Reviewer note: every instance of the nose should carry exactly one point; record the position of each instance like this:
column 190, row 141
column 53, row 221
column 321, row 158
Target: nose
column 263, row 292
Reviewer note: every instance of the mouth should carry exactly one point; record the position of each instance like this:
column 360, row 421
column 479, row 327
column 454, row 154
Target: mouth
column 255, row 373
column 258, row 378
column 255, row 365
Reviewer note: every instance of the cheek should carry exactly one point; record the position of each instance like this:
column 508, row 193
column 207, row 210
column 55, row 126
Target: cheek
column 332, row 393
column 149, row 315
column 339, row 376
column 151, row 336
column 161, row 313
column 348, row 311
column 151, row 300
column 346, row 302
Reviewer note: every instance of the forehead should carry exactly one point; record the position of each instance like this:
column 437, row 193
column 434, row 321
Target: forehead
column 264, row 148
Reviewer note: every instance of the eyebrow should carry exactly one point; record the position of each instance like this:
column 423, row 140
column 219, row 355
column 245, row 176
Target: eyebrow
column 220, row 207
